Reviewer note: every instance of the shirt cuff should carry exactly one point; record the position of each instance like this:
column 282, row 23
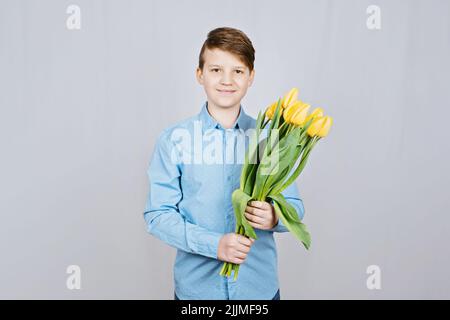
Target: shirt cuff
column 205, row 243
column 279, row 227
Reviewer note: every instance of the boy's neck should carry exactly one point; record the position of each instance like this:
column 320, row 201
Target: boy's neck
column 225, row 116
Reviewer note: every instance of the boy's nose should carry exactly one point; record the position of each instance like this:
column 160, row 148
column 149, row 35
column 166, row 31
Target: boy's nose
column 226, row 79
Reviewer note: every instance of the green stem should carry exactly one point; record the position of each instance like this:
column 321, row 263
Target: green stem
column 236, row 271
column 283, row 125
column 222, row 271
column 229, row 269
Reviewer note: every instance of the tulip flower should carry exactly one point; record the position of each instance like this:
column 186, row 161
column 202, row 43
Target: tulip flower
column 290, row 110
column 320, row 126
column 289, row 98
column 271, row 110
column 323, row 132
column 296, row 113
column 317, row 112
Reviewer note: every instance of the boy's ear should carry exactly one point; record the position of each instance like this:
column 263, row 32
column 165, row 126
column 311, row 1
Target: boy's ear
column 251, row 78
column 199, row 75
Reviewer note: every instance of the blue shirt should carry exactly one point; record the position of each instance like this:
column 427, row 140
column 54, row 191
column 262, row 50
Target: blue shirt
column 189, row 208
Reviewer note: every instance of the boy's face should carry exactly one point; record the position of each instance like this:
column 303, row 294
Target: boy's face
column 225, row 78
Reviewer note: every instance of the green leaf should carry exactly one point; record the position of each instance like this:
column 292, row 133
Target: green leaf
column 259, row 119
column 304, row 159
column 250, row 182
column 240, row 200
column 251, row 155
column 286, row 213
column 276, row 117
column 281, row 161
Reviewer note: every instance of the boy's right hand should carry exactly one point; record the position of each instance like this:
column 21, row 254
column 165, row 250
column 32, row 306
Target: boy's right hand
column 234, row 248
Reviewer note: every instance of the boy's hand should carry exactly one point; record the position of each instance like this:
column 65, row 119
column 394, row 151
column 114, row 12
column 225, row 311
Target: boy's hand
column 261, row 215
column 234, row 248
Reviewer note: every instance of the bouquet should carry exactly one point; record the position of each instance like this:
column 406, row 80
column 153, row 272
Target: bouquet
column 273, row 163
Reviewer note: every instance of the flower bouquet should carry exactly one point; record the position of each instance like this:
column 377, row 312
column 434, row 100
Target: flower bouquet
column 273, row 163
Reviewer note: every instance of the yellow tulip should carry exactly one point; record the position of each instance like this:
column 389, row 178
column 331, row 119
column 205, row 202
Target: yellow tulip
column 299, row 117
column 290, row 110
column 326, row 127
column 271, row 110
column 315, row 126
column 320, row 126
column 296, row 113
column 289, row 98
column 317, row 112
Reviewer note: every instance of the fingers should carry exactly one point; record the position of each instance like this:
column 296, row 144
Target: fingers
column 260, row 204
column 234, row 248
column 245, row 241
column 255, row 219
column 244, row 244
column 240, row 255
column 259, row 208
column 258, row 226
column 242, row 249
column 259, row 214
column 255, row 211
column 257, row 222
column 237, row 260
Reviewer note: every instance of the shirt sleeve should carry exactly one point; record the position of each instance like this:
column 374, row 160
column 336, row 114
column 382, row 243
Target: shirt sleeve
column 161, row 214
column 293, row 198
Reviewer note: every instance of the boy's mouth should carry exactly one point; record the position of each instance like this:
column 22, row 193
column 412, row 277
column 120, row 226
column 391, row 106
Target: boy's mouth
column 226, row 91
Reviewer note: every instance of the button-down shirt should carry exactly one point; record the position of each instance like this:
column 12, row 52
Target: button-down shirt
column 189, row 207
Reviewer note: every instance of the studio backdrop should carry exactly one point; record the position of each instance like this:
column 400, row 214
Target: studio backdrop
column 87, row 86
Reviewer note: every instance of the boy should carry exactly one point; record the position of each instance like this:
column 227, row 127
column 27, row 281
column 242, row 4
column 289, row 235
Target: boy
column 189, row 205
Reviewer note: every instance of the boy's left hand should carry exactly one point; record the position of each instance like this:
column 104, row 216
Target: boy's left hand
column 261, row 215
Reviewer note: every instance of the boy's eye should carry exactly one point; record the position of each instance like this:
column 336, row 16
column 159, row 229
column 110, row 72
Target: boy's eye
column 218, row 70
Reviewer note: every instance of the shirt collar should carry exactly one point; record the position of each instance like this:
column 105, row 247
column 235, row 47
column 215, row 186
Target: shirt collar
column 209, row 122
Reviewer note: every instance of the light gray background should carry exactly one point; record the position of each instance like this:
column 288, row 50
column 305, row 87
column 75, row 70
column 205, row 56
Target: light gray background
column 80, row 112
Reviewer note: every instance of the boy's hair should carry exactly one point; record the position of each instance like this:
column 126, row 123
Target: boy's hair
column 232, row 40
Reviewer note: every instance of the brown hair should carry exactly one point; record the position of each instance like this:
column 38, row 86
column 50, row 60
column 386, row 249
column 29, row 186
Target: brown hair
column 232, row 40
